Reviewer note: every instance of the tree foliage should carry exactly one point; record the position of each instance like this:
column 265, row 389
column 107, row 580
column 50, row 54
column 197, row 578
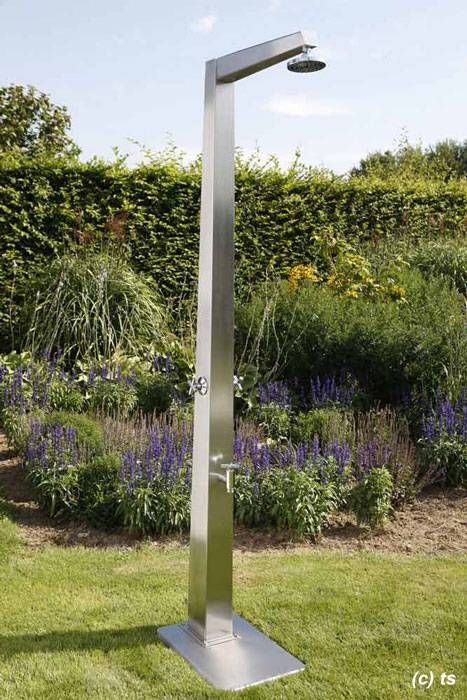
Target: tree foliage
column 444, row 161
column 31, row 125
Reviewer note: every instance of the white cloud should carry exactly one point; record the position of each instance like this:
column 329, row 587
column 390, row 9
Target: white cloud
column 274, row 5
column 204, row 25
column 303, row 106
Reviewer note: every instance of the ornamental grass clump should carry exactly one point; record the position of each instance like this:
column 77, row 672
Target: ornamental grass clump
column 442, row 258
column 326, row 423
column 94, row 306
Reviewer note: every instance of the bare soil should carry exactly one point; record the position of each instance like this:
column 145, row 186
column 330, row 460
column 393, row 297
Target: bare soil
column 436, row 523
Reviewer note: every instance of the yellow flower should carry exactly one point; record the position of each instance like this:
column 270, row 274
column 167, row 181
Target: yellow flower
column 303, row 272
column 351, row 293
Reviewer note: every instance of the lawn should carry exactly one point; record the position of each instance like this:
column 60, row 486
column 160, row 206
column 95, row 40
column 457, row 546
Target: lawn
column 78, row 622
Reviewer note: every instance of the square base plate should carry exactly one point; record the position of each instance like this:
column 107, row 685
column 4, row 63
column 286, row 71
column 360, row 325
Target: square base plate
column 248, row 659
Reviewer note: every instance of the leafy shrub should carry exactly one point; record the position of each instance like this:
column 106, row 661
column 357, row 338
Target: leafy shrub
column 328, row 423
column 56, row 488
column 99, row 489
column 112, row 397
column 390, row 345
column 371, row 498
column 63, row 397
column 156, row 507
column 444, row 440
column 349, row 274
column 444, row 160
column 273, row 419
column 303, row 272
column 447, row 457
column 286, row 498
column 351, row 277
column 30, row 383
column 32, row 125
column 155, row 393
column 87, row 429
column 298, row 502
column 94, row 306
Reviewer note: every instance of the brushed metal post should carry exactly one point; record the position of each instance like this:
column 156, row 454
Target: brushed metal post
column 210, row 577
column 225, row 649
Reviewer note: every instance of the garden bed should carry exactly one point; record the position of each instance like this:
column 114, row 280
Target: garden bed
column 436, row 523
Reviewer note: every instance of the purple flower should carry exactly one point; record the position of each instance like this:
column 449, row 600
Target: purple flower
column 428, row 429
column 42, row 453
column 265, row 457
column 315, row 447
column 254, row 455
column 345, row 454
column 30, row 450
column 238, row 447
column 302, row 450
column 443, row 417
column 329, row 390
column 274, row 392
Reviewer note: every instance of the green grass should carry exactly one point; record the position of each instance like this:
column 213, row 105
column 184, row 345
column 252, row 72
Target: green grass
column 80, row 623
column 9, row 537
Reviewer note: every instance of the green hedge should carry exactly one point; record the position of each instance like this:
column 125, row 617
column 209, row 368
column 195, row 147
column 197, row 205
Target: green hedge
column 278, row 214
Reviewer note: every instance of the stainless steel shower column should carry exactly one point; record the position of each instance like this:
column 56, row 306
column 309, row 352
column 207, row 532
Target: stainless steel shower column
column 210, row 581
column 221, row 646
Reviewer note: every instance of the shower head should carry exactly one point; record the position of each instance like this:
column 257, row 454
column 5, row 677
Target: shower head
column 305, row 63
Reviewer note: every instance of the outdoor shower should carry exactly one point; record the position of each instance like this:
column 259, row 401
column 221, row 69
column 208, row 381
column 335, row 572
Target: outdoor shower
column 224, row 648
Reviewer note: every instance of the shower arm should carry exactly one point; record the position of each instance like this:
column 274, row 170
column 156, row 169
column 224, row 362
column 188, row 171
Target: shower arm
column 240, row 64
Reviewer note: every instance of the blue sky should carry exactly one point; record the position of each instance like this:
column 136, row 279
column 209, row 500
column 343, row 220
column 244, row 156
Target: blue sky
column 135, row 68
